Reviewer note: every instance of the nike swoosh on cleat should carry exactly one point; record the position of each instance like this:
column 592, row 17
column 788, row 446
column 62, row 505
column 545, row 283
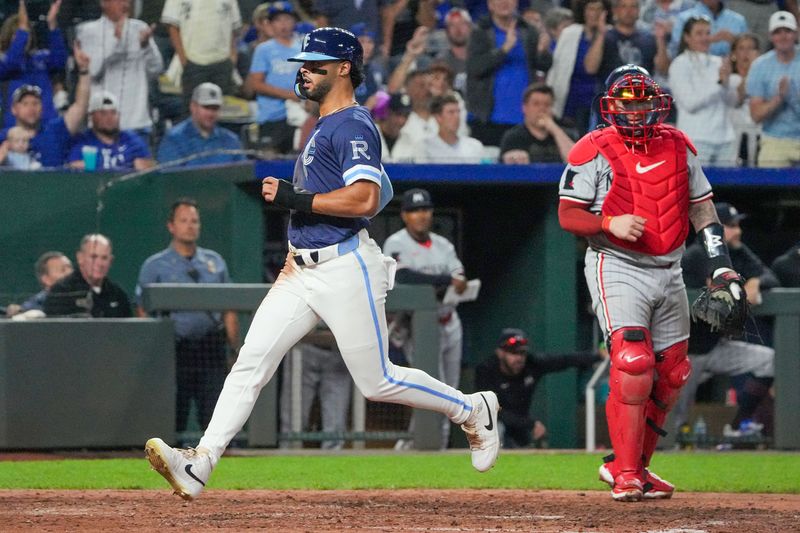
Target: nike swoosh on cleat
column 188, row 470
column 489, row 412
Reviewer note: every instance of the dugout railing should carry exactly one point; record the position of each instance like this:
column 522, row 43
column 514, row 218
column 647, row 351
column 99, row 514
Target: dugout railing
column 784, row 305
column 262, row 429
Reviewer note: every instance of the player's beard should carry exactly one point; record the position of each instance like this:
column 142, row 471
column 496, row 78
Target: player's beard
column 320, row 91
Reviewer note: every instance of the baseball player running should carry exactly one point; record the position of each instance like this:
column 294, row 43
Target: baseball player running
column 333, row 272
column 631, row 189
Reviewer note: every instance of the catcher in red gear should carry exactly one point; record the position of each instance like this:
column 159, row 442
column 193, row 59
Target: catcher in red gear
column 632, row 189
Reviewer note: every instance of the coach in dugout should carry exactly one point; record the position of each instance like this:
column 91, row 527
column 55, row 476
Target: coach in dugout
column 200, row 336
column 513, row 373
column 88, row 292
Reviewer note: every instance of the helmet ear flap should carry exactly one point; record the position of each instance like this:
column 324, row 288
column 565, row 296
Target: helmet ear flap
column 299, row 90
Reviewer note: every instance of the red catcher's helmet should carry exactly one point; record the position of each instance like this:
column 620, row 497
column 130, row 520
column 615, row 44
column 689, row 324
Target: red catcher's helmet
column 634, row 104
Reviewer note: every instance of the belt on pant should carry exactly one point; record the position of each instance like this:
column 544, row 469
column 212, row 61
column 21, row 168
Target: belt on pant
column 320, row 255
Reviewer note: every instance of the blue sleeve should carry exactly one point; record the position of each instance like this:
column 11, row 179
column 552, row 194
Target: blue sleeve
column 755, row 82
column 260, row 59
column 75, row 153
column 225, row 276
column 11, row 62
column 147, row 274
column 57, row 58
column 358, row 148
column 55, row 144
column 677, row 30
column 169, row 149
column 138, row 148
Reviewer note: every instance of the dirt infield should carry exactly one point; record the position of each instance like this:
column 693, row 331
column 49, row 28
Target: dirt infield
column 405, row 510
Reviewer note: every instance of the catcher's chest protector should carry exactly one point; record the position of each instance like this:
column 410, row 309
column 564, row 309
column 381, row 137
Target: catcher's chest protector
column 652, row 185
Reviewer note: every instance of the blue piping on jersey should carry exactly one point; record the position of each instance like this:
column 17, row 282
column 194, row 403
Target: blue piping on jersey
column 386, row 375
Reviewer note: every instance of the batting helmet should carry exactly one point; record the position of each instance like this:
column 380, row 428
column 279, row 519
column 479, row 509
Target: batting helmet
column 634, row 103
column 331, row 44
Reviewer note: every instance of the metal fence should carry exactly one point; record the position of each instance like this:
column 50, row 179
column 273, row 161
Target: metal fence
column 370, row 422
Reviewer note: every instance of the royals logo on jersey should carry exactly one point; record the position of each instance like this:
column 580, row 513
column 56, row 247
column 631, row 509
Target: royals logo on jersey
column 360, row 148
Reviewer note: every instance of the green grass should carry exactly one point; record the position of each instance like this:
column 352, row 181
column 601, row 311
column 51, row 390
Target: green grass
column 704, row 472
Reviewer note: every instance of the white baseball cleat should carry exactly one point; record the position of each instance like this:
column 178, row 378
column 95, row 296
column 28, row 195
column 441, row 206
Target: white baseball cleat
column 186, row 470
column 481, row 430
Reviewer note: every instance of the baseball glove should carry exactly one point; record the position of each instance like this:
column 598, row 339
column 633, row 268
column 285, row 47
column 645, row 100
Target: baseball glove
column 723, row 304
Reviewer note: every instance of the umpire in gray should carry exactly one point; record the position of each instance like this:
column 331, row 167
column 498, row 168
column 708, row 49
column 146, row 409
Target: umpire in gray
column 206, row 343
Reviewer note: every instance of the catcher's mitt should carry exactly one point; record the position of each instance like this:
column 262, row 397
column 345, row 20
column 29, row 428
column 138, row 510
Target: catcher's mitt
column 723, row 304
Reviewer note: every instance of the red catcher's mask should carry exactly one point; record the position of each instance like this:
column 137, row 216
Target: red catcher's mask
column 635, row 105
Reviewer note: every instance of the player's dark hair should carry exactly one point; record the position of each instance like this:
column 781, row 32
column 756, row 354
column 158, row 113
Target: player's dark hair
column 356, row 74
column 537, row 87
column 40, row 267
column 191, row 202
column 438, row 102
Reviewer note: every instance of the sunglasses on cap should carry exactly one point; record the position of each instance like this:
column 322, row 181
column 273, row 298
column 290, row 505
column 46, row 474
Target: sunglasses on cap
column 515, row 343
column 25, row 90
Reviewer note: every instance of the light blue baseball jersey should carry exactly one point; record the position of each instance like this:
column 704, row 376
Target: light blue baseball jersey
column 344, row 148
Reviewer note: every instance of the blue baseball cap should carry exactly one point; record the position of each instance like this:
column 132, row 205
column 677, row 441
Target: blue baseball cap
column 362, row 30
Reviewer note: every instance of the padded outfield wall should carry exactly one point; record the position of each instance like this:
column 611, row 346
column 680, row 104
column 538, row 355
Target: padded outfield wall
column 502, row 219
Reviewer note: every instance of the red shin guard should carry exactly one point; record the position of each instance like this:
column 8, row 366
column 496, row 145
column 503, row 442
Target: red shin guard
column 673, row 369
column 631, row 381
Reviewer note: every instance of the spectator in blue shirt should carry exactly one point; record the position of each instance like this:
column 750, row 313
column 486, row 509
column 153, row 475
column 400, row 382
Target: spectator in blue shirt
column 200, row 133
column 726, row 24
column 116, row 150
column 773, row 85
column 50, row 140
column 22, row 62
column 272, row 78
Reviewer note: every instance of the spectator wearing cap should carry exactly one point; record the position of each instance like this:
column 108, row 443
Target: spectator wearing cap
column 259, row 31
column 457, row 26
column 505, row 55
column 540, row 138
column 200, row 133
column 117, row 149
column 513, row 373
column 49, row 142
column 749, row 360
column 23, row 61
column 203, row 34
column 124, row 60
column 391, row 114
column 373, row 74
column 427, row 258
column 447, row 146
column 272, row 79
column 726, row 24
column 773, row 85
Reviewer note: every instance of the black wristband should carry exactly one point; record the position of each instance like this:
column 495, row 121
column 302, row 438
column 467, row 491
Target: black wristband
column 286, row 196
column 713, row 238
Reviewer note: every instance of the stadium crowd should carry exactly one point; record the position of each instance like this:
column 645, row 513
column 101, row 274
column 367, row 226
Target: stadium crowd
column 512, row 81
